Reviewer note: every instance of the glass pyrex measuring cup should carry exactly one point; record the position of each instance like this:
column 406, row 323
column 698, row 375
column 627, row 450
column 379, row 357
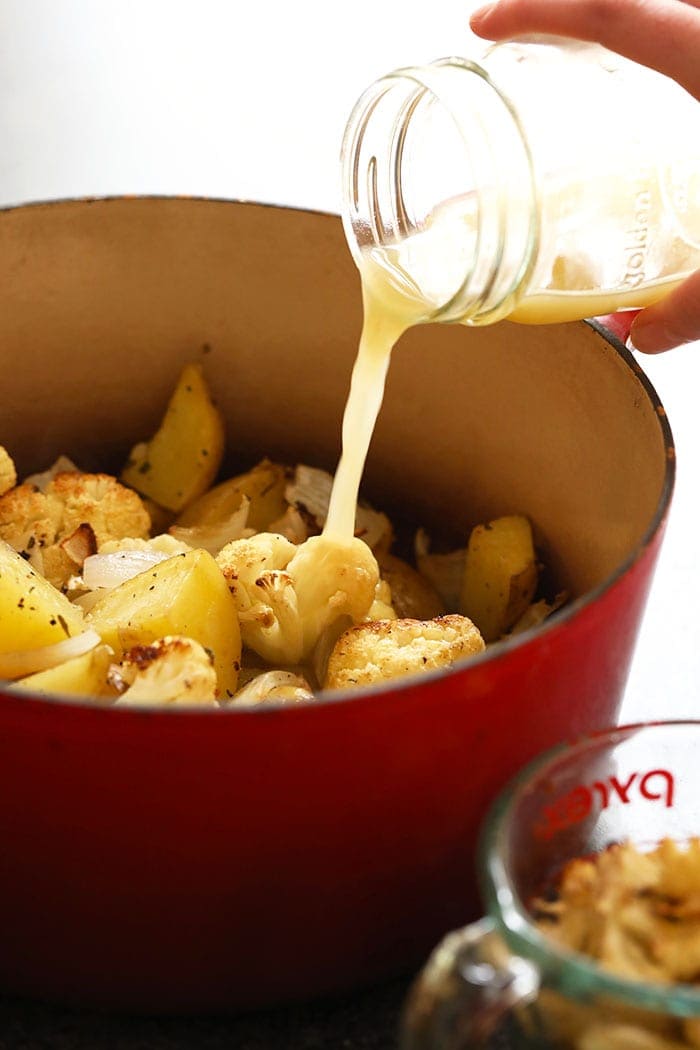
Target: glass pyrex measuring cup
column 637, row 784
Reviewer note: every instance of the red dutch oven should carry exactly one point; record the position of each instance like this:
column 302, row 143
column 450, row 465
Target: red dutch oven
column 185, row 860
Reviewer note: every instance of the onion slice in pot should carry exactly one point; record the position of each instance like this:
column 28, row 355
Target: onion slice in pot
column 28, row 661
column 105, row 571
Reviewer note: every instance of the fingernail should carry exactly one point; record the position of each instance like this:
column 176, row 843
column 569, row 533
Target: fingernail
column 481, row 13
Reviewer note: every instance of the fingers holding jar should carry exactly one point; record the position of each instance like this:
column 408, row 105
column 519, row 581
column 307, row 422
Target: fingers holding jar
column 661, row 34
column 671, row 322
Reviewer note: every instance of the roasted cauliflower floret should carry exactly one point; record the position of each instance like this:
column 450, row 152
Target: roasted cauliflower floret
column 46, row 526
column 8, row 474
column 112, row 510
column 287, row 595
column 332, row 578
column 173, row 670
column 265, row 598
column 386, row 649
column 162, row 544
column 29, row 519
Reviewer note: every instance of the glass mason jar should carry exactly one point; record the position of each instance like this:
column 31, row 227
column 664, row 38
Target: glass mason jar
column 550, row 181
column 638, row 785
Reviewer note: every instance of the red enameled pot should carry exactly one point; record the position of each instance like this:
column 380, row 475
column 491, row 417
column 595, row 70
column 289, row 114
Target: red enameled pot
column 179, row 860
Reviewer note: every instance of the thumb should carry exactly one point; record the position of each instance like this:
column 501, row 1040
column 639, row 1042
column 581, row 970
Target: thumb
column 619, row 324
column 670, row 322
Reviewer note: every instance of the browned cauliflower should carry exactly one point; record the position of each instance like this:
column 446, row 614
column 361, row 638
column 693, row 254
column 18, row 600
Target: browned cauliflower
column 172, row 670
column 8, row 474
column 386, row 649
column 112, row 510
column 57, row 528
column 287, row 595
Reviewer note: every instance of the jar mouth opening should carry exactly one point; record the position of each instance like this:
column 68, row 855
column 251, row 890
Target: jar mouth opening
column 439, row 191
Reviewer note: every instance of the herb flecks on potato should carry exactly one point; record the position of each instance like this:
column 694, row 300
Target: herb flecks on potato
column 183, row 457
column 183, row 595
column 33, row 612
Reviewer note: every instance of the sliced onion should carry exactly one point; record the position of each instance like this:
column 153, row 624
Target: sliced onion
column 310, row 490
column 537, row 613
column 89, row 600
column 213, row 538
column 105, row 571
column 291, row 525
column 274, row 687
column 81, row 544
column 19, row 664
column 444, row 571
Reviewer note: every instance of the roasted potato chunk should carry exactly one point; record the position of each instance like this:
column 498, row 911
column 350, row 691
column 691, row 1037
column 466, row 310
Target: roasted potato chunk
column 84, row 675
column 183, row 457
column 500, row 575
column 263, row 485
column 412, row 595
column 184, row 595
column 32, row 612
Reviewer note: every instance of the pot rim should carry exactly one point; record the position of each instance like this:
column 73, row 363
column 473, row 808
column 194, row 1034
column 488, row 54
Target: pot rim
column 495, row 650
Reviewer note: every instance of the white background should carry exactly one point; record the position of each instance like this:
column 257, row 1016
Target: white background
column 249, row 101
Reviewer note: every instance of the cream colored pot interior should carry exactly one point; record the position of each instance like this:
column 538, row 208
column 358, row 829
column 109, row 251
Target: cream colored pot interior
column 102, row 301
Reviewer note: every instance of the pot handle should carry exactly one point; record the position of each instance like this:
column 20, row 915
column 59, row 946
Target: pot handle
column 469, row 983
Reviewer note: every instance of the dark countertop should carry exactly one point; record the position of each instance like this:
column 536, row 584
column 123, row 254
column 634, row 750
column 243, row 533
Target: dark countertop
column 365, row 1021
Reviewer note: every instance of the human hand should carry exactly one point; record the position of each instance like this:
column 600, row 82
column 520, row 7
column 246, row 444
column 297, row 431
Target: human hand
column 661, row 34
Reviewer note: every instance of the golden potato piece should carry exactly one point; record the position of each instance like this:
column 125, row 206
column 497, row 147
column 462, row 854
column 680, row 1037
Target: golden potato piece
column 500, row 575
column 263, row 485
column 183, row 457
column 184, row 595
column 384, row 649
column 84, row 675
column 32, row 612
